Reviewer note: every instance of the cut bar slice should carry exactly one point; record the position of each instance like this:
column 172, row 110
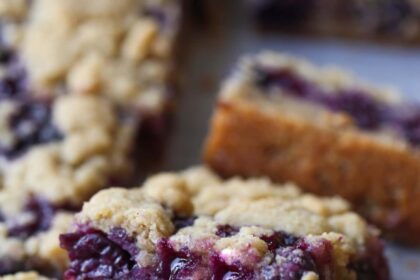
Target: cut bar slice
column 85, row 88
column 287, row 119
column 397, row 20
column 55, row 156
column 193, row 225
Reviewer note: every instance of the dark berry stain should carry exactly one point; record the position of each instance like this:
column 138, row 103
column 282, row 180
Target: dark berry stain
column 182, row 222
column 13, row 83
column 32, row 125
column 176, row 264
column 93, row 255
column 35, row 217
column 226, row 230
column 9, row 266
column 366, row 112
column 96, row 255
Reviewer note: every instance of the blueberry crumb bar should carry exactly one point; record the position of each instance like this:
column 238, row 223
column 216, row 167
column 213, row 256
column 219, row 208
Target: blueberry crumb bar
column 285, row 118
column 193, row 225
column 55, row 156
column 396, row 20
column 85, row 87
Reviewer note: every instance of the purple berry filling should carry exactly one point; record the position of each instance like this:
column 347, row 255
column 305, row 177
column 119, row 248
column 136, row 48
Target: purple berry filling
column 367, row 113
column 13, row 83
column 8, row 266
column 96, row 255
column 226, row 230
column 182, row 222
column 36, row 217
column 185, row 264
column 31, row 125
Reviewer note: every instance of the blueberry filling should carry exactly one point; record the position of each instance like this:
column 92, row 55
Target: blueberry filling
column 8, row 266
column 36, row 217
column 226, row 230
column 184, row 264
column 31, row 125
column 176, row 264
column 13, row 81
column 279, row 239
column 182, row 222
column 367, row 113
column 96, row 255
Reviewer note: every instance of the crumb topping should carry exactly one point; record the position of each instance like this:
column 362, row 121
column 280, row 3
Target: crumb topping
column 74, row 168
column 131, row 210
column 252, row 223
column 237, row 202
column 129, row 66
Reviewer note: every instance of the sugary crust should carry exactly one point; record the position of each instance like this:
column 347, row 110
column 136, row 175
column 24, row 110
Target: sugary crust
column 326, row 159
column 130, row 66
column 24, row 276
column 256, row 206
